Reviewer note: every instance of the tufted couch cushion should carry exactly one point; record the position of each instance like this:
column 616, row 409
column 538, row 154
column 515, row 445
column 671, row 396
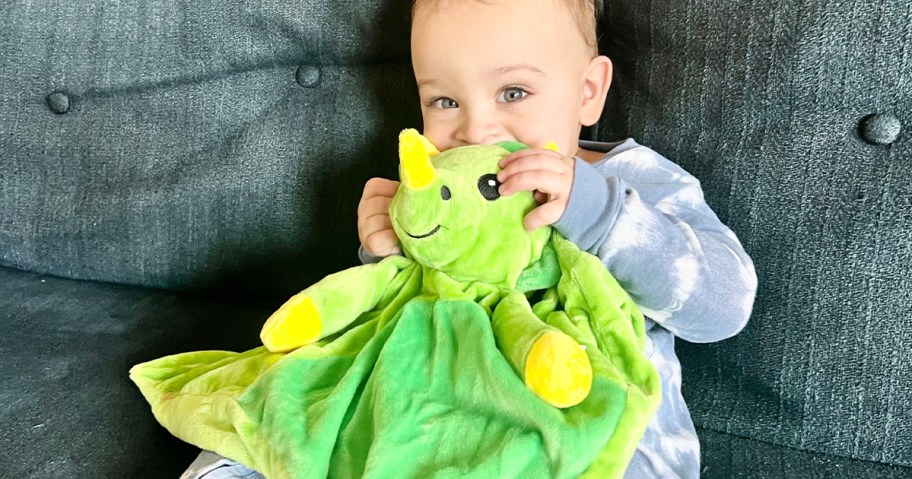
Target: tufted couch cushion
column 221, row 147
column 204, row 145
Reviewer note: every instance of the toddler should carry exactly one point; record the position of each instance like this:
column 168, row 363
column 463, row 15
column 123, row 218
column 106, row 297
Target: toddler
column 529, row 71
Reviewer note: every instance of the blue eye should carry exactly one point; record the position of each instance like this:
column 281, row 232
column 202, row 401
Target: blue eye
column 512, row 94
column 445, row 103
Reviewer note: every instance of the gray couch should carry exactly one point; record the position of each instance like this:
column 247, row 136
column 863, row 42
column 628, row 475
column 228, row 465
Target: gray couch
column 171, row 171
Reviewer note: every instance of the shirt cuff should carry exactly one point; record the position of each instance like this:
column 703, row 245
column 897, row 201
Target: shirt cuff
column 594, row 204
column 367, row 258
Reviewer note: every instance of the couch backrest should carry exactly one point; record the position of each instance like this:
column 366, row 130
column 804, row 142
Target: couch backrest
column 196, row 144
column 769, row 104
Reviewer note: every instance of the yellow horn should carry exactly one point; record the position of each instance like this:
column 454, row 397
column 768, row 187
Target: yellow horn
column 415, row 152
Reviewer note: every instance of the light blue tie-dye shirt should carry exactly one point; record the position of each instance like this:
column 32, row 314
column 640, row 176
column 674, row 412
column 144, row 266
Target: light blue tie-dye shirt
column 646, row 219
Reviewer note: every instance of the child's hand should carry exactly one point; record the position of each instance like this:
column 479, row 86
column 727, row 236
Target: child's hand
column 375, row 229
column 546, row 172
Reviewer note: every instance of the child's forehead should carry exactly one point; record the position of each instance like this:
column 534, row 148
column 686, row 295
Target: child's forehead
column 506, row 23
column 582, row 14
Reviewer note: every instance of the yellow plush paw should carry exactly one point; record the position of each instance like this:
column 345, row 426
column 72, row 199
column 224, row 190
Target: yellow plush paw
column 558, row 370
column 295, row 324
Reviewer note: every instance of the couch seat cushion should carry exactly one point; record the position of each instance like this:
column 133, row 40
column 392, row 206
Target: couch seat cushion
column 68, row 406
column 69, row 409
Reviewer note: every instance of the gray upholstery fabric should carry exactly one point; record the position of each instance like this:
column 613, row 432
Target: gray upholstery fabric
column 223, row 146
column 67, row 406
column 726, row 456
column 189, row 156
column 762, row 102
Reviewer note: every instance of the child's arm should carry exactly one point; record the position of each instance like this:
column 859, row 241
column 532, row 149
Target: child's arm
column 646, row 219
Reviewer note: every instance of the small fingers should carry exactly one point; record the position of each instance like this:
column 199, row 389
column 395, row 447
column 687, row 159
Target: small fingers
column 531, row 163
column 532, row 152
column 544, row 171
column 536, row 180
column 374, row 205
column 379, row 187
column 546, row 214
column 375, row 229
column 373, row 218
column 374, row 223
column 382, row 243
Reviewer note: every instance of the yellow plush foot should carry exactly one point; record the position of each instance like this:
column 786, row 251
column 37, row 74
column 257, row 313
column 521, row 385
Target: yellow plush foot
column 295, row 324
column 558, row 370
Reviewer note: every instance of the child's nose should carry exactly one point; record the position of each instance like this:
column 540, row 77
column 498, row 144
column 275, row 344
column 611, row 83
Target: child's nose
column 480, row 129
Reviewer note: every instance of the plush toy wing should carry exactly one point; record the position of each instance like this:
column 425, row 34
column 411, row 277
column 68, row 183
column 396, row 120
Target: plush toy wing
column 280, row 412
column 395, row 369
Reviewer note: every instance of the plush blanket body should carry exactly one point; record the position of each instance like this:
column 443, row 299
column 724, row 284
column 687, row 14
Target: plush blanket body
column 485, row 351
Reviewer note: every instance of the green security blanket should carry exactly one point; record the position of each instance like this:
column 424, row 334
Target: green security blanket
column 486, row 351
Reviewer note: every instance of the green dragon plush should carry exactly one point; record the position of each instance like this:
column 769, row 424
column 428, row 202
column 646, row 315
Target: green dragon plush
column 486, row 351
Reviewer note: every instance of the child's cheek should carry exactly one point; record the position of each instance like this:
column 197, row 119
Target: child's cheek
column 437, row 132
column 436, row 139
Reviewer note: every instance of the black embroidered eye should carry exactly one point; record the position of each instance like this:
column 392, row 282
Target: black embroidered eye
column 488, row 186
column 445, row 193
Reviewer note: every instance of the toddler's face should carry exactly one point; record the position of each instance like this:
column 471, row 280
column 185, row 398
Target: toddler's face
column 499, row 70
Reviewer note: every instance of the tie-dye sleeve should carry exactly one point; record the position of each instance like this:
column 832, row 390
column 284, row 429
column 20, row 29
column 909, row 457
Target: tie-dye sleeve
column 646, row 219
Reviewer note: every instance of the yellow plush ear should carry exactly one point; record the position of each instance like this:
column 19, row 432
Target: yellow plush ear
column 415, row 152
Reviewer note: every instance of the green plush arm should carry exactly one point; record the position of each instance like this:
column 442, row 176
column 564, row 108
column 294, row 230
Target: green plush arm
column 330, row 305
column 551, row 363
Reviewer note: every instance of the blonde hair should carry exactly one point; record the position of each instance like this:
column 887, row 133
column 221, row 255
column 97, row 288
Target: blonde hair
column 586, row 13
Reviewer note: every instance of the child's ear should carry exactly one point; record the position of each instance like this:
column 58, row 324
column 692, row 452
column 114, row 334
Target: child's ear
column 596, row 83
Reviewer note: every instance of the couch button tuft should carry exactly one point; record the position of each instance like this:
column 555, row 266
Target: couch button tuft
column 880, row 128
column 58, row 102
column 308, row 76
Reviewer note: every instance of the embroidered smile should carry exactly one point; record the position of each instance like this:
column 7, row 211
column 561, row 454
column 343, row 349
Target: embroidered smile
column 424, row 235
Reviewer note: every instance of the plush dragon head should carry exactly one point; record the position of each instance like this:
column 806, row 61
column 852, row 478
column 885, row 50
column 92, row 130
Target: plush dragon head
column 449, row 215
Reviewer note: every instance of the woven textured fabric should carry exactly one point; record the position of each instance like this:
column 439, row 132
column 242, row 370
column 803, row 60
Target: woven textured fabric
column 69, row 408
column 726, row 456
column 761, row 100
column 200, row 146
